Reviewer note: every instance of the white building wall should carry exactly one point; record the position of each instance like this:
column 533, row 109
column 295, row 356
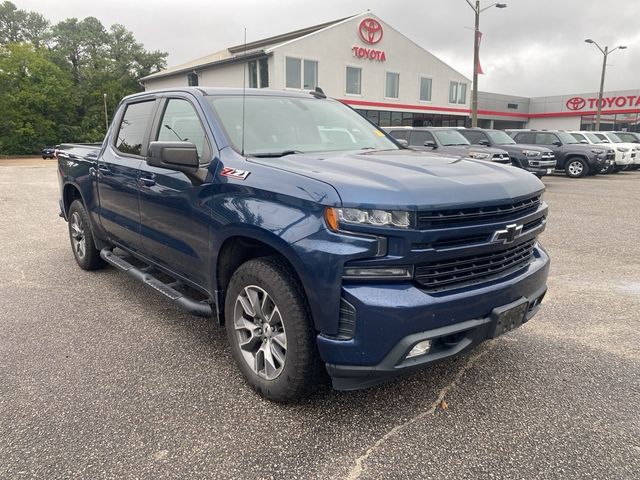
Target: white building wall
column 173, row 81
column 555, row 123
column 225, row 76
column 332, row 48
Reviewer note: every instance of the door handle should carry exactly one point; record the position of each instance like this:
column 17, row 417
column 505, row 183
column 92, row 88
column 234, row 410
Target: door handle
column 104, row 169
column 147, row 182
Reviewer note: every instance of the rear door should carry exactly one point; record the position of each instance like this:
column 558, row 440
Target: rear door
column 118, row 171
column 174, row 213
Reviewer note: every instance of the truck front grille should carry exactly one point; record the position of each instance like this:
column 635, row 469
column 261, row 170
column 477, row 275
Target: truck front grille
column 466, row 216
column 501, row 158
column 452, row 273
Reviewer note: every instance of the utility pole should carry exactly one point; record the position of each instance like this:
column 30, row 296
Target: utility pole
column 106, row 117
column 605, row 53
column 476, row 56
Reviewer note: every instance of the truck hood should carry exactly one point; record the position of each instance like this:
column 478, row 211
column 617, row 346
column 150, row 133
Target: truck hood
column 410, row 180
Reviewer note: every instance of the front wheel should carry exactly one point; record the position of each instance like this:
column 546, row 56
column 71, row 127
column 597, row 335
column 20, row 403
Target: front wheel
column 576, row 168
column 270, row 330
column 81, row 236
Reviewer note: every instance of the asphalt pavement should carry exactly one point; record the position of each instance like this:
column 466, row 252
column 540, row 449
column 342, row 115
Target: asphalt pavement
column 101, row 377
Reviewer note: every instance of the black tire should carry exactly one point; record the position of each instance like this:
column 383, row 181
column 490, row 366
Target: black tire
column 576, row 168
column 81, row 238
column 301, row 371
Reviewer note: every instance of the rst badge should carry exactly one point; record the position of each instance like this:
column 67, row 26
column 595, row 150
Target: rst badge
column 234, row 173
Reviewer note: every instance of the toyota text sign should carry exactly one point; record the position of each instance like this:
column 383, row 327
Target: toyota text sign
column 579, row 103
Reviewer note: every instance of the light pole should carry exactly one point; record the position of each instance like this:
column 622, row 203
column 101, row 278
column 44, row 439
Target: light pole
column 476, row 50
column 605, row 54
column 106, row 117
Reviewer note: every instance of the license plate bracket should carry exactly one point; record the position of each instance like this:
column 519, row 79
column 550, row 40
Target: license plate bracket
column 508, row 317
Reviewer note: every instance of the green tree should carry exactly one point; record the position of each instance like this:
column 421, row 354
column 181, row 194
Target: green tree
column 33, row 100
column 62, row 86
column 21, row 26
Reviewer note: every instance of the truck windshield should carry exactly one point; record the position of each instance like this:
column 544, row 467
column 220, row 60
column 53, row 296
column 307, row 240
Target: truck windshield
column 627, row 137
column 614, row 138
column 593, row 138
column 500, row 138
column 450, row 137
column 278, row 125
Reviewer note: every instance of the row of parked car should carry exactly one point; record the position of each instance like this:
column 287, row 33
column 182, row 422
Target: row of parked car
column 540, row 152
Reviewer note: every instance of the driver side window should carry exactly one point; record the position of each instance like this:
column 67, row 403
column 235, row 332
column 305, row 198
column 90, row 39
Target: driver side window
column 180, row 123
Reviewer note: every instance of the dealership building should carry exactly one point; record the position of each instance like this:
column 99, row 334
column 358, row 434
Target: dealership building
column 388, row 78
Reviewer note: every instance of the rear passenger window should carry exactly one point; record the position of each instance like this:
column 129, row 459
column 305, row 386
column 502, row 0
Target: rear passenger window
column 418, row 137
column 133, row 127
column 180, row 123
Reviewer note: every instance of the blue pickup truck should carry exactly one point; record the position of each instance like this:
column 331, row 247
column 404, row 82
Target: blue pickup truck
column 322, row 244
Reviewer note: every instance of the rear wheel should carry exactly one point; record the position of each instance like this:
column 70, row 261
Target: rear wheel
column 576, row 168
column 270, row 330
column 81, row 236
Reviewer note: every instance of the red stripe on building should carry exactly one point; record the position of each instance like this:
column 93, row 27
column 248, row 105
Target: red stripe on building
column 467, row 111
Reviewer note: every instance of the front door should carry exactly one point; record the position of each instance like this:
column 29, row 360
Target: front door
column 174, row 216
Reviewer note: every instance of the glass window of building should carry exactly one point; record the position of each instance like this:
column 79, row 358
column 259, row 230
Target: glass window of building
column 293, row 72
column 310, row 74
column 354, row 79
column 263, row 65
column 253, row 74
column 192, row 79
column 425, row 89
column 392, row 85
column 458, row 93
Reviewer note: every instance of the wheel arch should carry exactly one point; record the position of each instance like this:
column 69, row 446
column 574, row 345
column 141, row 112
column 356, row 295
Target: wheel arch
column 240, row 245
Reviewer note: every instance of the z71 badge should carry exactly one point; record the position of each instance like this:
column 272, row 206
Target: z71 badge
column 234, row 173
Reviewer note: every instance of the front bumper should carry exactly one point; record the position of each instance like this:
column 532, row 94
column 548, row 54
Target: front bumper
column 541, row 167
column 391, row 319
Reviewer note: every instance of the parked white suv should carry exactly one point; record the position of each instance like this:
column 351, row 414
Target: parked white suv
column 625, row 152
column 632, row 137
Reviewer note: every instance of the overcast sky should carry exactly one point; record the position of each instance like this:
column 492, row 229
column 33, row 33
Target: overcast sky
column 531, row 48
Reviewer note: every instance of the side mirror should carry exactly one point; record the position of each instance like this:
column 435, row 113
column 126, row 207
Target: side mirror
column 430, row 143
column 484, row 142
column 583, row 141
column 557, row 143
column 402, row 142
column 180, row 156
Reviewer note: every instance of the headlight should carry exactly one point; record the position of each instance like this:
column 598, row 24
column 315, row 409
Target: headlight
column 335, row 217
column 598, row 151
column 531, row 153
column 623, row 149
column 377, row 273
column 479, row 155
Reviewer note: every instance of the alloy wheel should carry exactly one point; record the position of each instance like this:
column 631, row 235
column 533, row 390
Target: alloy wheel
column 78, row 238
column 260, row 332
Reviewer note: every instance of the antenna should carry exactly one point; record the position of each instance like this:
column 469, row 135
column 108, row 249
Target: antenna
column 244, row 83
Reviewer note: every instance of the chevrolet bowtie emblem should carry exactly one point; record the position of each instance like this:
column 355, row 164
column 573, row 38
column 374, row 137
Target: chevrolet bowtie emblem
column 508, row 235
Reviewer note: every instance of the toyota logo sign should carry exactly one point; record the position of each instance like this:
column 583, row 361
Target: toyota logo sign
column 576, row 103
column 370, row 31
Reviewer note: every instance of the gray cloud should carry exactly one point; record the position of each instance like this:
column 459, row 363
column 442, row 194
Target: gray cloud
column 533, row 47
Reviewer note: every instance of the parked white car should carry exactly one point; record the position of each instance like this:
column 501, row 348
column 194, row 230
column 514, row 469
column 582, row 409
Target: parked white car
column 633, row 138
column 625, row 153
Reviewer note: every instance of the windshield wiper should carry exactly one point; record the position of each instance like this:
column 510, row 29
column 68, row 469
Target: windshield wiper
column 275, row 154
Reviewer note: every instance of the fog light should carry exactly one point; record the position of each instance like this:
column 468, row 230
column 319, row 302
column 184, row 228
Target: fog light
column 420, row 348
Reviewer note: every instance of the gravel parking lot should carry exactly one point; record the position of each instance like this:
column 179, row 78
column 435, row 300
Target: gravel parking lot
column 100, row 377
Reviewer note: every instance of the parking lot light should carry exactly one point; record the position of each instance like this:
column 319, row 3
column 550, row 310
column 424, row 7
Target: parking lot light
column 476, row 49
column 605, row 53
